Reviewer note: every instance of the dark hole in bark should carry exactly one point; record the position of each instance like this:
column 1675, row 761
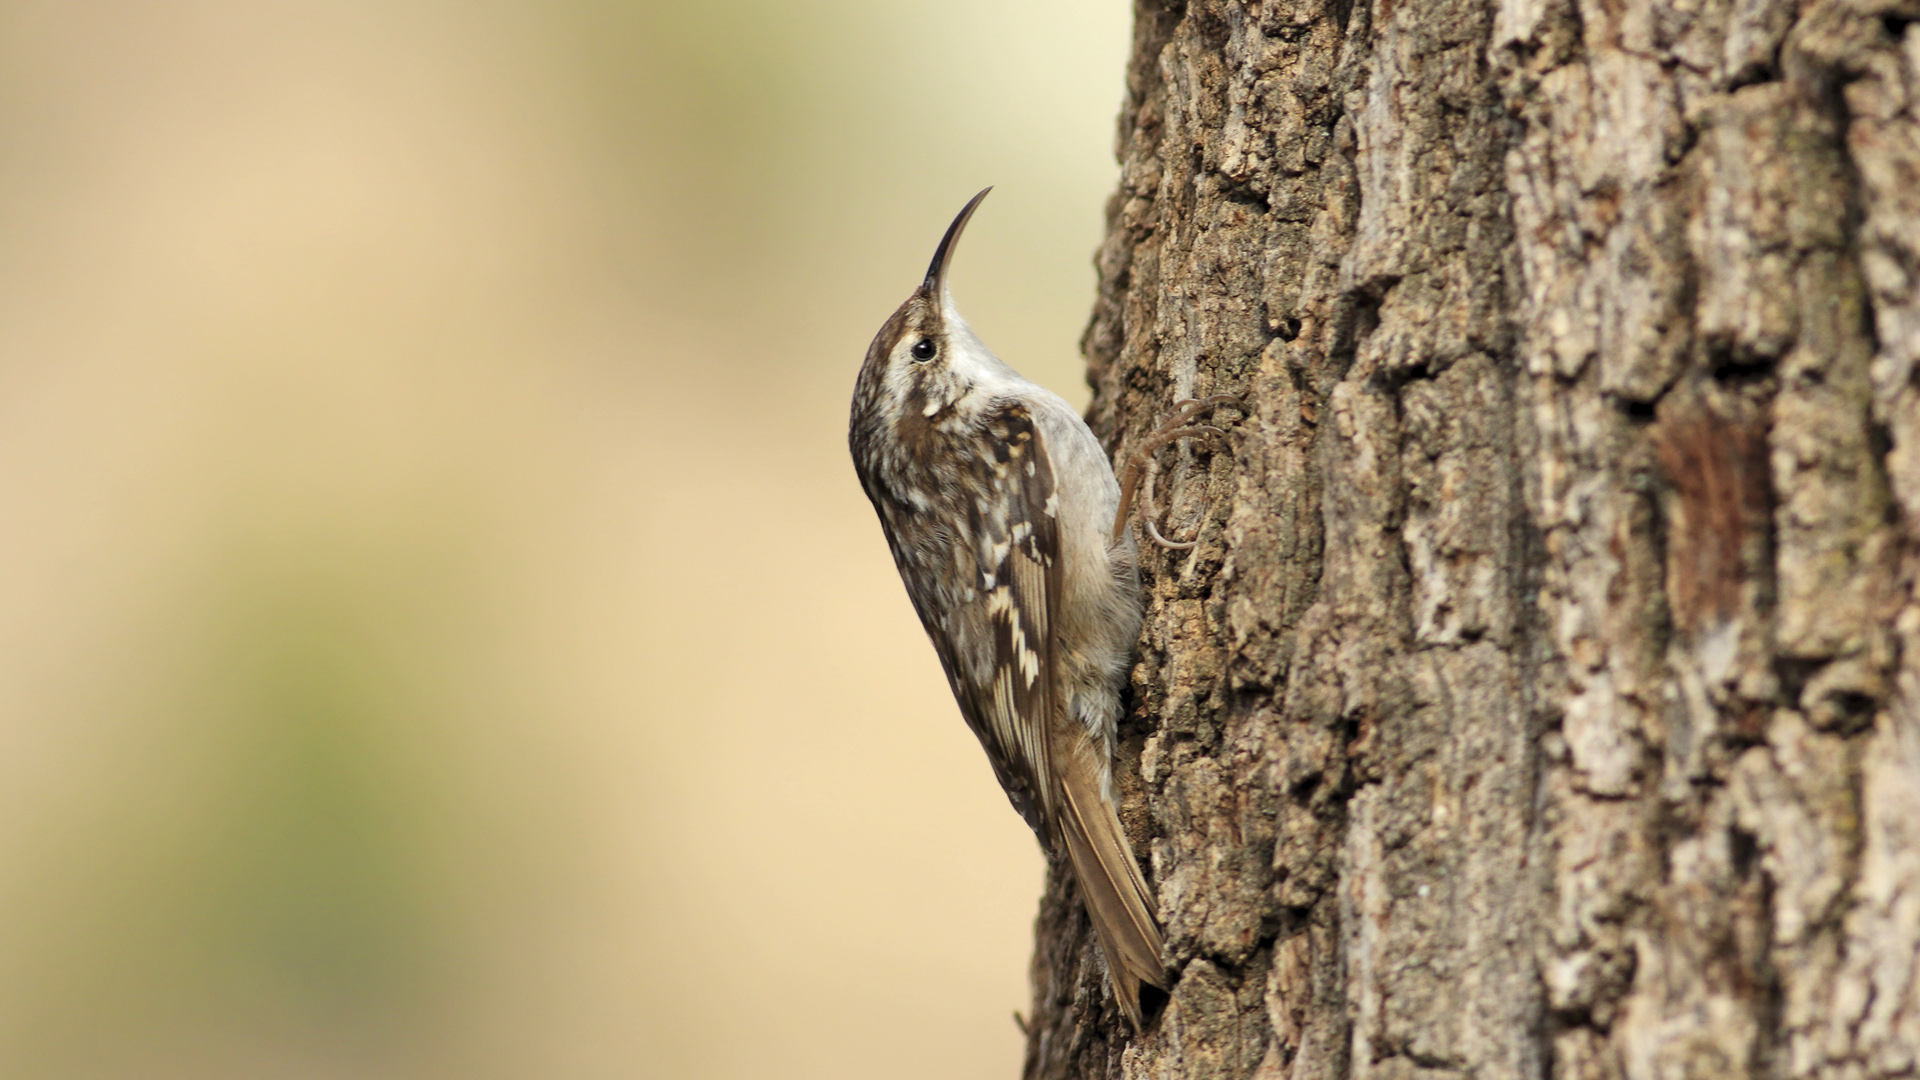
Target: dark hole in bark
column 1152, row 1001
column 1745, row 850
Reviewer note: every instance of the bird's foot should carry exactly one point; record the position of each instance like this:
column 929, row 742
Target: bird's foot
column 1141, row 466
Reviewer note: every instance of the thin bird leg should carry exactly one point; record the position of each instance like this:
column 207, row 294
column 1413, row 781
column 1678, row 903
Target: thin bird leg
column 1184, row 411
column 1137, row 465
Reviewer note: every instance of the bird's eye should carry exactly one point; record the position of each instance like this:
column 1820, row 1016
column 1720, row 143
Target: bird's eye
column 922, row 349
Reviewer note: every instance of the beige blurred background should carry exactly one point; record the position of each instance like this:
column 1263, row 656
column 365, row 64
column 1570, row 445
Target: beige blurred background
column 442, row 636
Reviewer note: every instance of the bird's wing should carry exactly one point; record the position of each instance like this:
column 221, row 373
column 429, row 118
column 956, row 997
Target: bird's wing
column 991, row 607
column 1012, row 702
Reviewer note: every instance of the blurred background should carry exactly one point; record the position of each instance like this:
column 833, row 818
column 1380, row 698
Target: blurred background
column 440, row 632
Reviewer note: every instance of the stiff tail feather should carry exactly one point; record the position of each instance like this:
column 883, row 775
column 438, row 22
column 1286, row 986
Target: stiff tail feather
column 1115, row 893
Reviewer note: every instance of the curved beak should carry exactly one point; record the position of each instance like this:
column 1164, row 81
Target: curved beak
column 936, row 282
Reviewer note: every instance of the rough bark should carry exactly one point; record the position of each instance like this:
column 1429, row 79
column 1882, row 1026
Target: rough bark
column 1542, row 697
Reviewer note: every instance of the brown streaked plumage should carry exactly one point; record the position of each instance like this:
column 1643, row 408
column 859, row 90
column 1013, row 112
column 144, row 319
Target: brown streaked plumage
column 999, row 505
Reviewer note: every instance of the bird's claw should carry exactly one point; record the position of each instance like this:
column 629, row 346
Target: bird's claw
column 1141, row 464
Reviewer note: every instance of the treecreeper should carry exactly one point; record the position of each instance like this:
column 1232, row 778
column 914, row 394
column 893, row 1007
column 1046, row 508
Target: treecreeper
column 1007, row 524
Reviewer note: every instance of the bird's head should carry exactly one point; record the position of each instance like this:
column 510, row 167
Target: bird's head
column 925, row 358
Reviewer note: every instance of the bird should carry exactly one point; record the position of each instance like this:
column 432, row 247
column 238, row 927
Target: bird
column 1006, row 521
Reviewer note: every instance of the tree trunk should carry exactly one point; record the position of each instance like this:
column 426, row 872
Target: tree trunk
column 1543, row 694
